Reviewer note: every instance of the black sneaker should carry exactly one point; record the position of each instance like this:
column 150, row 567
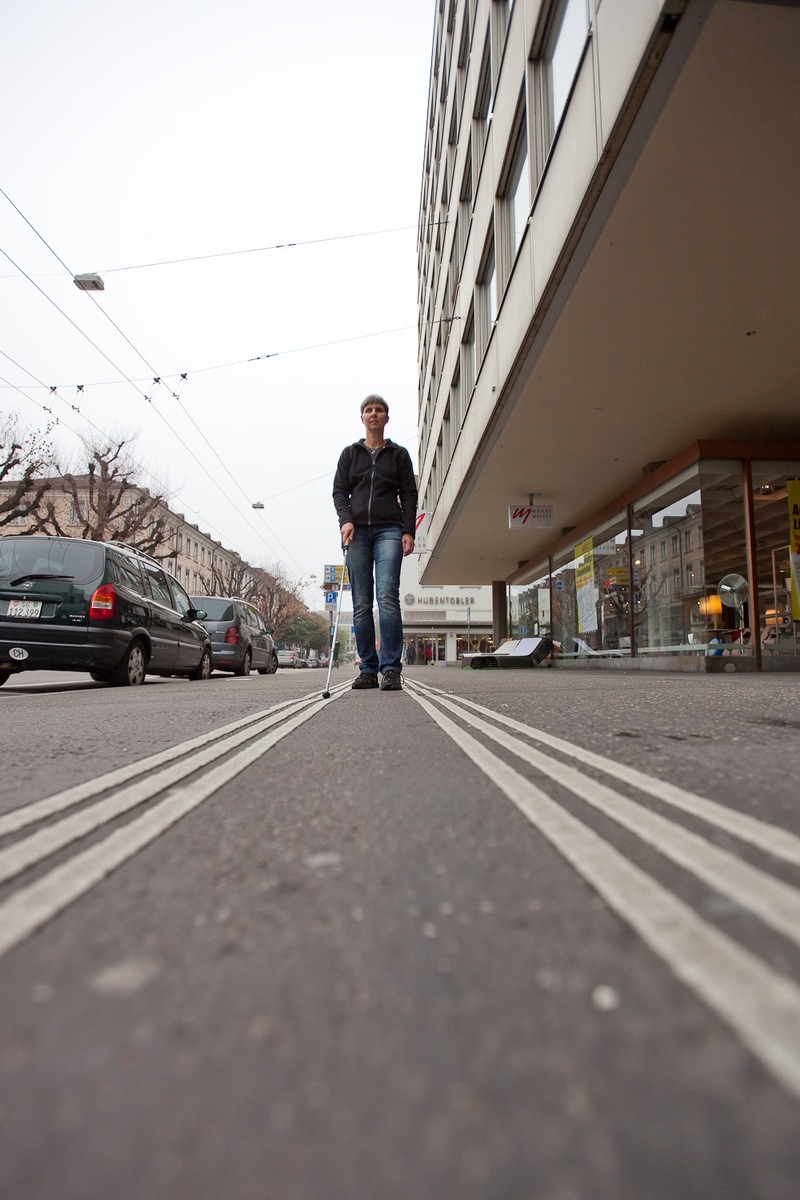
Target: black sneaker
column 391, row 682
column 365, row 681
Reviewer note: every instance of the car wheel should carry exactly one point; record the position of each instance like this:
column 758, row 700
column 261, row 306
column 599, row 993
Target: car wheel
column 247, row 664
column 203, row 668
column 99, row 676
column 273, row 665
column 131, row 671
column 4, row 677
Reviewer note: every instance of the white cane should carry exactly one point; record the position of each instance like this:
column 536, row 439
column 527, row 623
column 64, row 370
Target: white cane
column 326, row 695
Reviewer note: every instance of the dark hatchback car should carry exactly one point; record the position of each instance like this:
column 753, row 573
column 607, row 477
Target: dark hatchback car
column 101, row 607
column 240, row 639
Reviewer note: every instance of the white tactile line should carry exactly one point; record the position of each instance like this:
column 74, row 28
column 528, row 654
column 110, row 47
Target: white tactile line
column 32, row 906
column 46, row 841
column 775, row 902
column 780, row 843
column 29, row 814
column 759, row 1004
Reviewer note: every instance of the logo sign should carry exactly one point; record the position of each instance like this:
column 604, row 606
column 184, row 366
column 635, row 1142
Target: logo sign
column 17, row 652
column 531, row 516
column 421, row 534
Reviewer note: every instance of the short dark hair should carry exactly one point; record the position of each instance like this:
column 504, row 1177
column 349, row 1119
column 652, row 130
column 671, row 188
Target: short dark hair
column 374, row 400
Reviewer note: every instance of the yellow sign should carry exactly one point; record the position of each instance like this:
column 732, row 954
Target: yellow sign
column 793, row 494
column 584, row 586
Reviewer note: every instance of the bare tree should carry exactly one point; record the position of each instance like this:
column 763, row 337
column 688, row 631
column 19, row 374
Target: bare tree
column 236, row 578
column 106, row 502
column 23, row 456
column 278, row 600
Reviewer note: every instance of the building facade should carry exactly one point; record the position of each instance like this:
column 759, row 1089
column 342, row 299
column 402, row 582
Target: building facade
column 607, row 261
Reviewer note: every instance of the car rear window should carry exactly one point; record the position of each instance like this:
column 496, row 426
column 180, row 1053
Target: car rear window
column 82, row 561
column 217, row 610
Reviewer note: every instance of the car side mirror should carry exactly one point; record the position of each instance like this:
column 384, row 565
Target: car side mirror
column 196, row 614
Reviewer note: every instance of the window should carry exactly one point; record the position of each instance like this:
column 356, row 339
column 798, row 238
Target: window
column 676, row 581
column 663, row 549
column 465, row 202
column 563, row 49
column 180, row 601
column 515, row 191
column 468, row 358
column 687, row 539
column 676, row 545
column 158, row 584
column 482, row 112
column 126, row 571
column 456, row 403
column 487, row 296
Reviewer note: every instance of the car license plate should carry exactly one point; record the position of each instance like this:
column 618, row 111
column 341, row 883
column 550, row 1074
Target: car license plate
column 24, row 608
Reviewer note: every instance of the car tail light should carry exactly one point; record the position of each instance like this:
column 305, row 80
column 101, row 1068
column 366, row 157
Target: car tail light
column 231, row 635
column 103, row 604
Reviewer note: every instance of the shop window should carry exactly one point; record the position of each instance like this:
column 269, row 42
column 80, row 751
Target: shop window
column 592, row 591
column 677, row 615
column 776, row 511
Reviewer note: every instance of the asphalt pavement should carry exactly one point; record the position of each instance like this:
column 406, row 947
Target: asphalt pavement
column 523, row 935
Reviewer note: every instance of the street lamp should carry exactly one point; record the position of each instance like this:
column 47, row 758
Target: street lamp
column 257, row 504
column 89, row 282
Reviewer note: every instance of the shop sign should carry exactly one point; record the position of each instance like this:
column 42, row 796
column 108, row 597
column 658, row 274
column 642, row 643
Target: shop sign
column 531, row 516
column 584, row 587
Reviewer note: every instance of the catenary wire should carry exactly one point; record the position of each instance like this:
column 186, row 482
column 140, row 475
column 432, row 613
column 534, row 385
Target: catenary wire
column 145, row 470
column 156, row 380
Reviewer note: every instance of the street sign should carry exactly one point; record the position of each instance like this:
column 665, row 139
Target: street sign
column 330, row 597
column 333, row 574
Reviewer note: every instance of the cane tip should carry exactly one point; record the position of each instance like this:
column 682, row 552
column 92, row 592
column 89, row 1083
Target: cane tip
column 326, row 695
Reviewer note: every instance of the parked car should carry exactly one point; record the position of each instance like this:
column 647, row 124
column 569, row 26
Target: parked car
column 102, row 607
column 288, row 658
column 240, row 639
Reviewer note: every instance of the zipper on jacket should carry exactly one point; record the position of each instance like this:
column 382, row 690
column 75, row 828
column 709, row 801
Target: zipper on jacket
column 371, row 482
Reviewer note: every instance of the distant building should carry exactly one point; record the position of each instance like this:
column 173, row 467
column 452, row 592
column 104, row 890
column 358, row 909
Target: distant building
column 608, row 258
column 193, row 557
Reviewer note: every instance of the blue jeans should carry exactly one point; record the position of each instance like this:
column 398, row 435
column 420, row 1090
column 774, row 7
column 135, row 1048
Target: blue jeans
column 378, row 548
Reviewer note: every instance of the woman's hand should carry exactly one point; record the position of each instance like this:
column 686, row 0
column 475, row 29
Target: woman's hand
column 347, row 533
column 408, row 544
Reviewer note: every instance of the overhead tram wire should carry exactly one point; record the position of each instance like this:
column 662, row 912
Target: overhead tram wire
column 262, row 357
column 169, row 262
column 149, row 400
column 145, row 470
column 156, row 380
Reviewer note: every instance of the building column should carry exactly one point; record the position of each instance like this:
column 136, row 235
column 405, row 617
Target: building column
column 499, row 611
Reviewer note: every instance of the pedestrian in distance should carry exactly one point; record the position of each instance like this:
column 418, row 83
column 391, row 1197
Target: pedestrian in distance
column 375, row 496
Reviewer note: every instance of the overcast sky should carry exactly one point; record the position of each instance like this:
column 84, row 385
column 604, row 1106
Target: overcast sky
column 178, row 129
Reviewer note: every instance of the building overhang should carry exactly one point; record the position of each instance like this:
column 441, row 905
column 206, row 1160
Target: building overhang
column 676, row 316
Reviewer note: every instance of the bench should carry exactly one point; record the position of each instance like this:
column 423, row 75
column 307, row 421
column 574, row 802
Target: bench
column 522, row 652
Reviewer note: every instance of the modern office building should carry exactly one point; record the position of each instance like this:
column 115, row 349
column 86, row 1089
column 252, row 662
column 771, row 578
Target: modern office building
column 609, row 364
